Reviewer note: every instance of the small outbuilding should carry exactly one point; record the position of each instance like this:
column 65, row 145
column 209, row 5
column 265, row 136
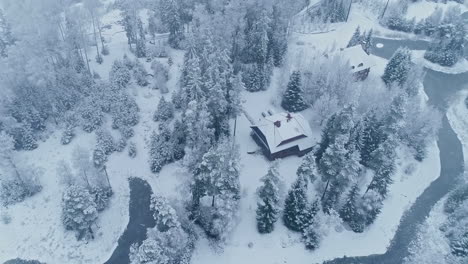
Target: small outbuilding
column 359, row 61
column 283, row 134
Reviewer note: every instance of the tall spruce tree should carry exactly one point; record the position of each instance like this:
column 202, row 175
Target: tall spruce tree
column 268, row 204
column 356, row 38
column 308, row 168
column 396, row 71
column 296, row 206
column 293, row 100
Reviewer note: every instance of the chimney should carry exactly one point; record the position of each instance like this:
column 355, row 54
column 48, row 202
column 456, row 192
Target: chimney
column 277, row 123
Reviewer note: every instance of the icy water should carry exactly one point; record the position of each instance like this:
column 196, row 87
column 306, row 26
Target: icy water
column 141, row 218
column 440, row 88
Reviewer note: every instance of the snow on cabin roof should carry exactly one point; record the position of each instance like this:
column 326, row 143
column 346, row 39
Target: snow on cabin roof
column 285, row 130
column 357, row 58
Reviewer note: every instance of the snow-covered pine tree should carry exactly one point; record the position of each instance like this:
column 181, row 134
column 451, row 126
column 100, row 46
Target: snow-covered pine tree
column 308, row 168
column 268, row 206
column 372, row 135
column 293, row 100
column 350, row 213
column 200, row 134
column 150, row 251
column 139, row 72
column 367, row 42
column 105, row 141
column 119, row 75
column 278, row 43
column 79, row 211
column 217, row 177
column 396, row 71
column 340, row 123
column 172, row 19
column 160, row 148
column 310, row 237
column 165, row 111
column 383, row 163
column 164, row 215
column 179, row 139
column 356, row 39
column 339, row 167
column 6, row 38
column 295, row 206
column 140, row 49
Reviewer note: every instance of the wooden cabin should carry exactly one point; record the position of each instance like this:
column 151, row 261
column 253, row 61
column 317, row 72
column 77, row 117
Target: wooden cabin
column 283, row 134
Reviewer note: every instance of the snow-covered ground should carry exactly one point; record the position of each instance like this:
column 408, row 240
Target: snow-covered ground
column 36, row 230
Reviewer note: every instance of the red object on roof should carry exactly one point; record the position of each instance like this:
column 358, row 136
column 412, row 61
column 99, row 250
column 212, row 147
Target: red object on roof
column 288, row 117
column 277, row 123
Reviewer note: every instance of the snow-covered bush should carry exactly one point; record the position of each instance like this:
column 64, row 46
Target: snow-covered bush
column 132, row 150
column 99, row 157
column 101, row 197
column 24, row 137
column 67, row 136
column 121, row 144
column 456, row 198
column 20, row 184
column 79, row 211
column 105, row 141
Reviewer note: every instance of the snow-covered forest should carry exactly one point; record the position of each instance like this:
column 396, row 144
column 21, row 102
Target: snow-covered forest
column 233, row 131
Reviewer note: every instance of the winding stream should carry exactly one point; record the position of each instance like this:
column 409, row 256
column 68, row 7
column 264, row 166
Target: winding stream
column 440, row 88
column 141, row 218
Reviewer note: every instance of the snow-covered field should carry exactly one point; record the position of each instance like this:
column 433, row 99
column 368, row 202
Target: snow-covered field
column 36, row 230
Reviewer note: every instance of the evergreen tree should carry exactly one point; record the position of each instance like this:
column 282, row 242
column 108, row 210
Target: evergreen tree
column 160, row 149
column 310, row 237
column 371, row 137
column 350, row 212
column 164, row 215
column 396, row 71
column 79, row 211
column 293, row 100
column 295, row 206
column 119, row 75
column 171, row 18
column 340, row 123
column 165, row 111
column 278, row 43
column 268, row 204
column 339, row 167
column 356, row 39
column 200, row 134
column 140, row 50
column 367, row 42
column 308, row 168
column 6, row 38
